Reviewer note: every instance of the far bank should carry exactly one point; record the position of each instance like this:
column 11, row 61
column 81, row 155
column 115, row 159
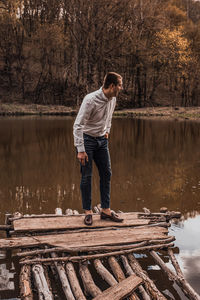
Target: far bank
column 165, row 113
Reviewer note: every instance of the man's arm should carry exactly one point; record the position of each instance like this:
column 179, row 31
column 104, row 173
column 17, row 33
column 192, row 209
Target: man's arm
column 81, row 119
column 110, row 116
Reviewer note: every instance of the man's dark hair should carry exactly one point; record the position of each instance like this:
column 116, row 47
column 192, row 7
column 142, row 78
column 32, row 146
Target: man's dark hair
column 111, row 78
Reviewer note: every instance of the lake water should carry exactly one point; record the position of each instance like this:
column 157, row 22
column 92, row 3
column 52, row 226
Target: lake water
column 154, row 164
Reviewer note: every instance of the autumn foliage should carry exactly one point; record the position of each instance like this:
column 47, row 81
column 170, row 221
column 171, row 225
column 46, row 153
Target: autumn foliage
column 55, row 51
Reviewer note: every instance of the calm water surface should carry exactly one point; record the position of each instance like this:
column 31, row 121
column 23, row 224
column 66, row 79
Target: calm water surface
column 154, row 164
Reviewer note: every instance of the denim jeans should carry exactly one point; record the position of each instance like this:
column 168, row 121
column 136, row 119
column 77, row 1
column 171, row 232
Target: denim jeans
column 97, row 150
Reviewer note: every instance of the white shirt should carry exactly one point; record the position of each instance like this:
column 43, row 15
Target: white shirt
column 94, row 117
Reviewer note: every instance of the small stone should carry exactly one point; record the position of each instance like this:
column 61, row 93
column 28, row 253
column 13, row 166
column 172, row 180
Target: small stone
column 163, row 209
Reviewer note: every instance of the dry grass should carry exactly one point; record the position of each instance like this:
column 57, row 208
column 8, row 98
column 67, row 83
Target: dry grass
column 165, row 113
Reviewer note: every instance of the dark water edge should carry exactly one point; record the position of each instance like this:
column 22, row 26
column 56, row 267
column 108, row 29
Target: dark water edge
column 154, row 164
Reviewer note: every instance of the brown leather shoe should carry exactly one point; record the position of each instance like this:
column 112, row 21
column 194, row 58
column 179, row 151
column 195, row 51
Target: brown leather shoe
column 88, row 220
column 113, row 217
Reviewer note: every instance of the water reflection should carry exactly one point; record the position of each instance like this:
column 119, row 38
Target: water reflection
column 154, row 164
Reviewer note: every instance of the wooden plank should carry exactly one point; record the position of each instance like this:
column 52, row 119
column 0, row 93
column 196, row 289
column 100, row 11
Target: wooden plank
column 74, row 222
column 87, row 239
column 121, row 290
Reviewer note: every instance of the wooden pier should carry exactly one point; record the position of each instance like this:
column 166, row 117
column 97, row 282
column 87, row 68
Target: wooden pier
column 91, row 262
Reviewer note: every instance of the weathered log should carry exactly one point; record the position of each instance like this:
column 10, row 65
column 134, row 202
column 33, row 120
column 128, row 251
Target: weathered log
column 115, row 267
column 110, row 237
column 40, row 281
column 25, row 283
column 180, row 280
column 75, row 286
column 119, row 274
column 158, row 241
column 88, row 283
column 120, row 290
column 171, row 214
column 82, row 249
column 35, row 216
column 175, row 263
column 64, row 280
column 93, row 256
column 149, row 284
column 130, row 272
column 104, row 273
column 60, row 269
column 71, row 221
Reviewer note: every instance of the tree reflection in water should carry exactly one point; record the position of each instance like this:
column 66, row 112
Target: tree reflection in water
column 154, row 164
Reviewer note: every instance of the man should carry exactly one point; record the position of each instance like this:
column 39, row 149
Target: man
column 91, row 130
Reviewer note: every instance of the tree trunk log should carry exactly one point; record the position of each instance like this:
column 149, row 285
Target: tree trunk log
column 60, row 269
column 74, row 282
column 64, row 280
column 130, row 272
column 115, row 267
column 119, row 274
column 104, row 273
column 175, row 263
column 42, row 286
column 89, row 285
column 25, row 283
column 93, row 256
column 150, row 286
column 180, row 280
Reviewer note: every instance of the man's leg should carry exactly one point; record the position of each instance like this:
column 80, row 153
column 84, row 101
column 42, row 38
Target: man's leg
column 86, row 179
column 102, row 160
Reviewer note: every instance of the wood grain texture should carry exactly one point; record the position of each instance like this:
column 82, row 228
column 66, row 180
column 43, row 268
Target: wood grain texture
column 87, row 239
column 74, row 221
column 120, row 290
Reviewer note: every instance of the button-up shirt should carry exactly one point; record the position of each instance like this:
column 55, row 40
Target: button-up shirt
column 94, row 117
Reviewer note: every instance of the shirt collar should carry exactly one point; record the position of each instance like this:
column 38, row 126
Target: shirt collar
column 103, row 95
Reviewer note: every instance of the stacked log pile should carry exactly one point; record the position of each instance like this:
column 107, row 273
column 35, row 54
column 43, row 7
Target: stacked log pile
column 60, row 246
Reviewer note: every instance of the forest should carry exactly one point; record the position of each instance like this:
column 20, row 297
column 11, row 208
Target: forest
column 56, row 51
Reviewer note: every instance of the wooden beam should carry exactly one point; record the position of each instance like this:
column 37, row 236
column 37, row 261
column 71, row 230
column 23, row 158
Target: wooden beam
column 73, row 222
column 120, row 290
column 96, row 249
column 93, row 256
column 85, row 239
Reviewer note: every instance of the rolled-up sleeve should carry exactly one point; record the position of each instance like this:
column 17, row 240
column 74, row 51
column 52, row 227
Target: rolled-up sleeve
column 81, row 119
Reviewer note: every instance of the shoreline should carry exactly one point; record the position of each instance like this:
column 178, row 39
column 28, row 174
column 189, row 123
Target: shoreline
column 158, row 113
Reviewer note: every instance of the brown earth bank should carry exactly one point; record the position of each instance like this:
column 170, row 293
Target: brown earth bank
column 165, row 113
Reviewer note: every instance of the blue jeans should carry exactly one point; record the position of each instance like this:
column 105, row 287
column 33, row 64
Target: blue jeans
column 97, row 150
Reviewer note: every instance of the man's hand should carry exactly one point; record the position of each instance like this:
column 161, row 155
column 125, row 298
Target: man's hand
column 82, row 157
column 106, row 135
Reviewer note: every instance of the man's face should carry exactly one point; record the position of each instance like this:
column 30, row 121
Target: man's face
column 117, row 88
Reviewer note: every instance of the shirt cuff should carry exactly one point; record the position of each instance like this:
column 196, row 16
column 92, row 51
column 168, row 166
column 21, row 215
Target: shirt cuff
column 80, row 148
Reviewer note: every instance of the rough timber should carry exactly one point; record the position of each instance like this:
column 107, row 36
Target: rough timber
column 63, row 247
